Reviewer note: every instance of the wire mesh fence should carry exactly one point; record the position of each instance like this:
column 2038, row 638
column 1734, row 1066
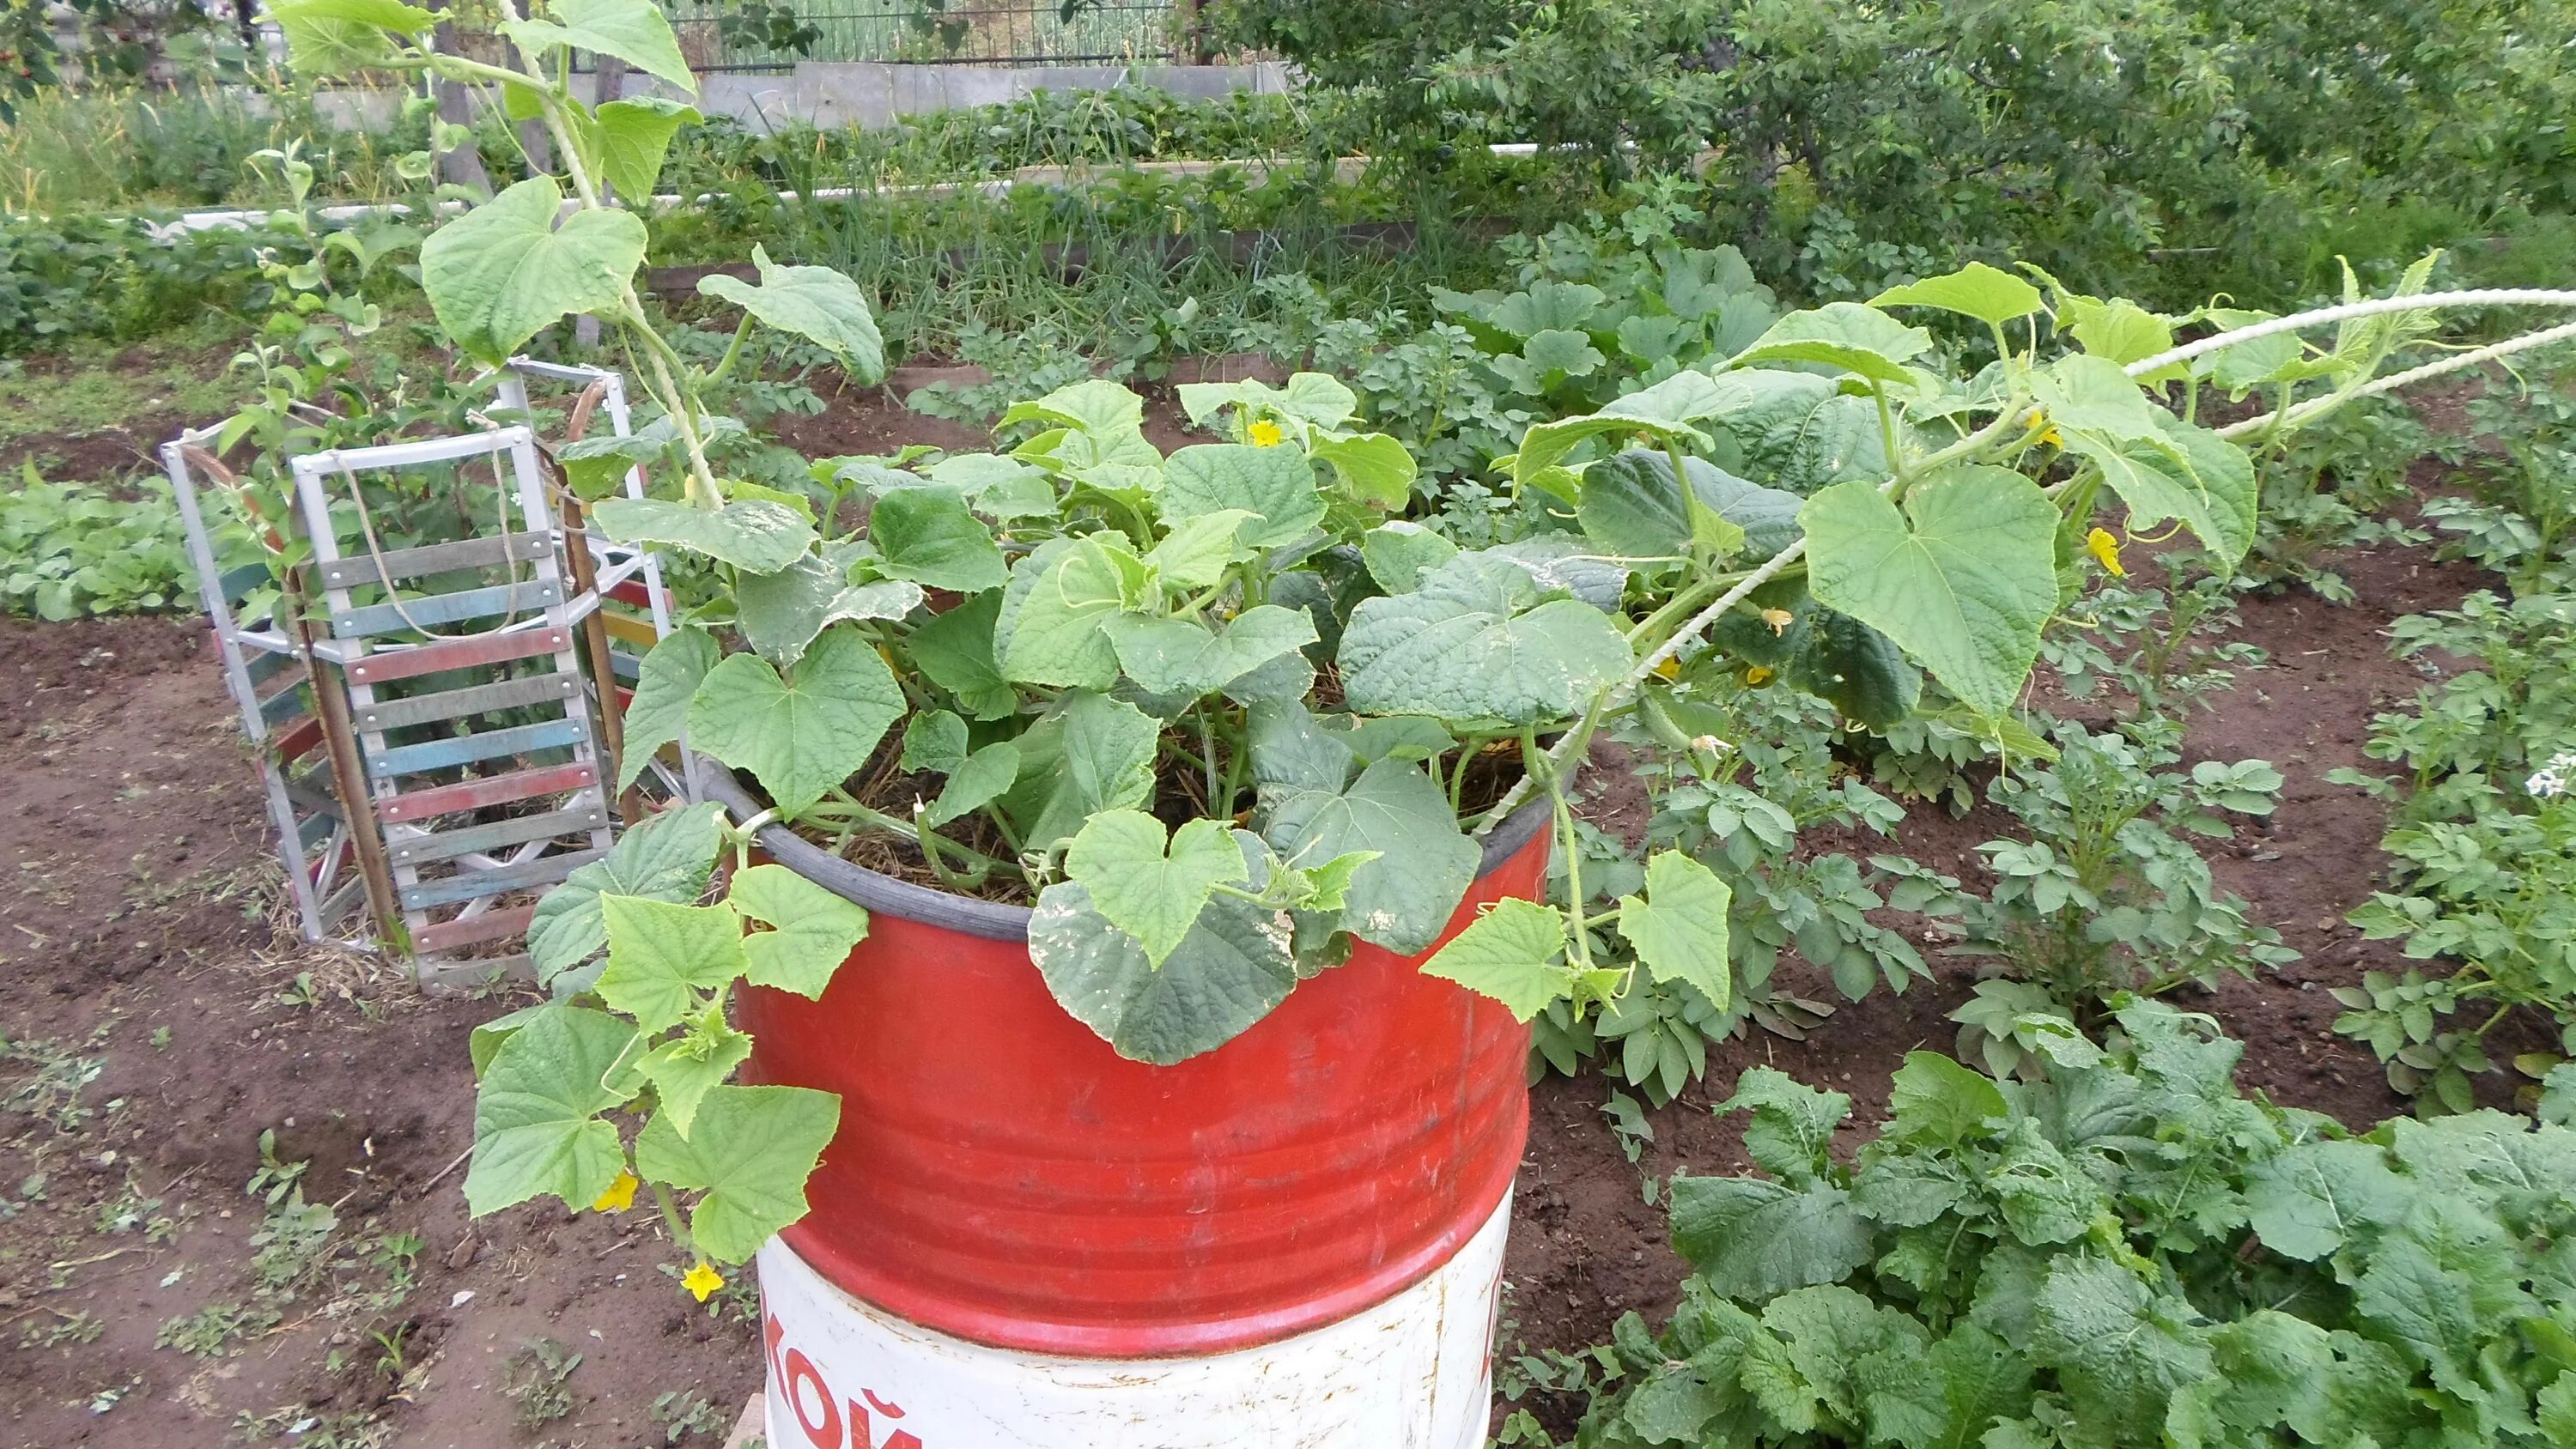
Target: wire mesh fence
column 729, row 35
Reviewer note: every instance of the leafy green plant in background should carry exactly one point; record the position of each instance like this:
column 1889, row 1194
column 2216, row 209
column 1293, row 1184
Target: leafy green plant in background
column 2105, row 897
column 2124, row 1253
column 2174, row 645
column 1739, row 772
column 2331, row 490
column 2520, row 517
column 2481, row 886
column 71, row 549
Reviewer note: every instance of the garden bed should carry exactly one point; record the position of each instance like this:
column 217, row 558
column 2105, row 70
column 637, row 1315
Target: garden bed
column 114, row 737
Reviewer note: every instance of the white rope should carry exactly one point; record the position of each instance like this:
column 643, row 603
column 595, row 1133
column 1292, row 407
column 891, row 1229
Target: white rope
column 2564, row 332
column 2347, row 311
column 2422, row 301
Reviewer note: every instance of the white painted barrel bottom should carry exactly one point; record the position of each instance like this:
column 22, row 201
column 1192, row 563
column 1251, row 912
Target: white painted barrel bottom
column 1414, row 1372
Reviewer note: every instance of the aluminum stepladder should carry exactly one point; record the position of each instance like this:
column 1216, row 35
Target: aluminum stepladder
column 449, row 884
column 270, row 677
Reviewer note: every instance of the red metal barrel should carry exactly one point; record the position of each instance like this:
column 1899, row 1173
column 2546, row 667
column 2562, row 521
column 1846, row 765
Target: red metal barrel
column 1004, row 1177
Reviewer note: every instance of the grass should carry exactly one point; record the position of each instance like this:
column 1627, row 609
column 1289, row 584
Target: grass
column 130, row 147
column 94, row 386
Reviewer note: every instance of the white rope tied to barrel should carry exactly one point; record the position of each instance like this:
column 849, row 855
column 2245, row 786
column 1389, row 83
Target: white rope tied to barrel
column 2297, row 321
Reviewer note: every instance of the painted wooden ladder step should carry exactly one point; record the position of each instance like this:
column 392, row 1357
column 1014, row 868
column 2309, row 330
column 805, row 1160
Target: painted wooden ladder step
column 491, row 790
column 467, row 749
column 290, row 703
column 497, row 648
column 437, row 558
column 299, row 740
column 473, row 930
column 629, row 629
column 474, row 885
column 579, row 818
column 526, row 595
column 461, row 703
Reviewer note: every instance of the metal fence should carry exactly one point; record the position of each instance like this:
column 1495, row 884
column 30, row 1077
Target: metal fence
column 728, row 35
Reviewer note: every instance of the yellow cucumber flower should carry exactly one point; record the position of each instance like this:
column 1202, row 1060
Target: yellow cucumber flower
column 1756, row 675
column 1266, row 434
column 619, row 1197
column 701, row 1280
column 2104, row 547
column 1671, row 668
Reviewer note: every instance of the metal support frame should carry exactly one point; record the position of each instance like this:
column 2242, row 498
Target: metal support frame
column 315, row 844
column 335, row 717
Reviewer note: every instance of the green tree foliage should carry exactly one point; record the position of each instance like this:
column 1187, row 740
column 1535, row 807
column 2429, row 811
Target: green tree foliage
column 2095, row 132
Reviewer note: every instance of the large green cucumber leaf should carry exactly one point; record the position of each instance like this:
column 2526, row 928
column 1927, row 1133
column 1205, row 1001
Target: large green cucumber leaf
column 1962, row 579
column 1401, row 900
column 336, row 38
column 666, row 857
column 812, row 931
column 1678, row 926
column 956, row 650
column 749, row 1152
column 816, row 303
column 976, row 783
column 1986, row 293
column 1632, row 505
column 1665, row 412
column 756, row 535
column 1476, row 643
column 2094, row 395
column 537, row 1127
column 632, row 30
column 781, row 613
column 1232, row 967
column 803, row 737
column 1048, row 631
column 1399, row 552
column 1511, row 954
column 1374, row 468
column 2183, row 472
column 1196, row 554
column 1276, row 485
column 1146, row 886
column 930, row 536
column 669, row 675
column 504, row 269
column 633, row 136
column 662, row 957
column 1184, row 657
column 1095, row 405
column 1091, row 753
column 1843, row 335
column 1797, row 431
